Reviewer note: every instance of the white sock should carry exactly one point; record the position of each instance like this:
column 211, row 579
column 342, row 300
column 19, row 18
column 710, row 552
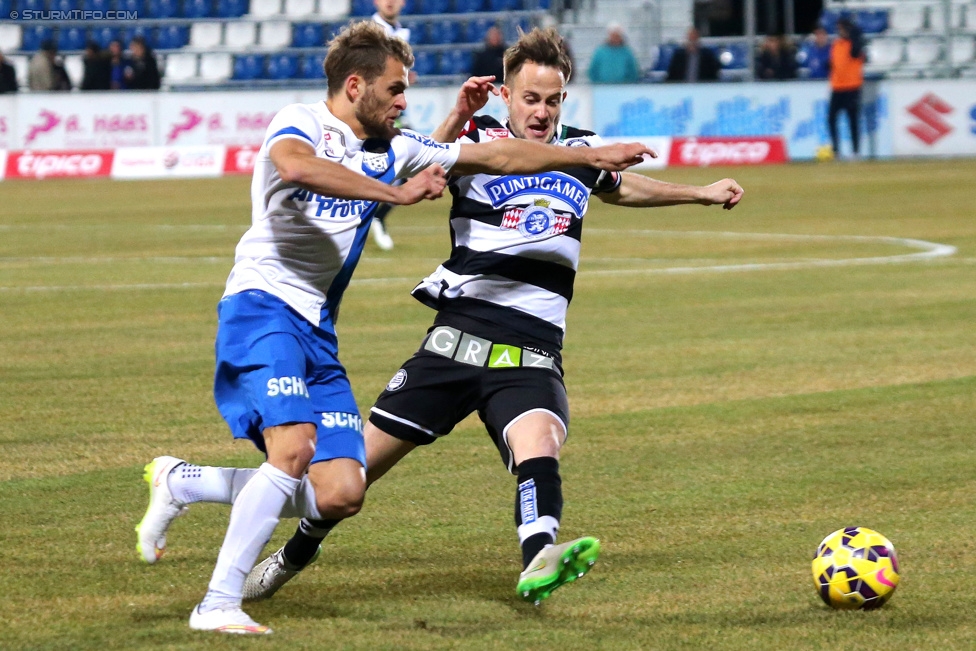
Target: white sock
column 253, row 519
column 190, row 484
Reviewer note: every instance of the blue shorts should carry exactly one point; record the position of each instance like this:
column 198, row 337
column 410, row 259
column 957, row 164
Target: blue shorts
column 276, row 368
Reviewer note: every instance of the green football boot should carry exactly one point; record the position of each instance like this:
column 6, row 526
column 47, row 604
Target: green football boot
column 557, row 565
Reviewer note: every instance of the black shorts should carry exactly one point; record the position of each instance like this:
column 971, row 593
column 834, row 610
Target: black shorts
column 430, row 394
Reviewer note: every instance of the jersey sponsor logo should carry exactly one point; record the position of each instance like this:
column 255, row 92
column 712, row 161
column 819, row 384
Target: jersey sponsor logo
column 287, row 386
column 335, row 208
column 398, row 380
column 553, row 184
column 334, row 143
column 424, row 140
column 577, row 142
column 497, row 133
column 536, row 221
column 331, row 419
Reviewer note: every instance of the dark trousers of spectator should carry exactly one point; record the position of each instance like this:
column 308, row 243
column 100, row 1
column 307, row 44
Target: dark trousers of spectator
column 848, row 101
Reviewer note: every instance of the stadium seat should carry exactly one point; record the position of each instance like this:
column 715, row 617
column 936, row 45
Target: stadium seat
column 205, row 35
column 468, row 6
column 126, row 34
column 248, row 66
column 662, row 58
column 432, row 7
column 282, row 66
column 64, row 6
column 885, row 52
column 477, row 29
column 511, row 28
column 10, row 37
column 923, row 51
column 74, row 65
column 131, row 6
column 734, row 56
column 418, row 31
column 33, row 36
column 181, row 66
column 409, row 7
column 300, row 8
column 31, row 5
column 215, row 66
column 103, row 36
column 240, row 34
column 334, row 9
column 163, row 8
column 935, row 20
column 455, row 62
column 425, row 63
column 265, row 8
column 307, row 35
column 361, row 8
column 275, row 34
column 311, row 67
column 198, row 8
column 172, row 37
column 442, row 32
column 71, row 38
column 502, row 5
column 231, row 8
column 828, row 20
column 962, row 50
column 907, row 17
column 873, row 21
column 97, row 5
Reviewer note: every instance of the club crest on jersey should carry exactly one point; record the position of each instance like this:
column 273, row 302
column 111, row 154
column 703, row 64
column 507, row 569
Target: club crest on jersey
column 537, row 220
column 376, row 162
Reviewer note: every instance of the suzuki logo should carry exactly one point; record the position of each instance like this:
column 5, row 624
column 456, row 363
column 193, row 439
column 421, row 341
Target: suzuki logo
column 929, row 110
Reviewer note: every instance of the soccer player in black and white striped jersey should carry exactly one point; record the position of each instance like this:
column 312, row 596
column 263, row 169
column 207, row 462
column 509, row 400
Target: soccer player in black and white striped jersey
column 501, row 303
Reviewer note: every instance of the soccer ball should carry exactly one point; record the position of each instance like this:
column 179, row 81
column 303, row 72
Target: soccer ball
column 855, row 569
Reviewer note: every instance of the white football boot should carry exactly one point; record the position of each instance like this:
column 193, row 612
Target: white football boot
column 380, row 235
column 226, row 620
column 163, row 509
column 267, row 577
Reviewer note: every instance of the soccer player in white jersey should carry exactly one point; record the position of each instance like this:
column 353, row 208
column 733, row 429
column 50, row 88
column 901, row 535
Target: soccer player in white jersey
column 318, row 177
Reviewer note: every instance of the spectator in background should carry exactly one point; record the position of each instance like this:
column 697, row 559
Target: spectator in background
column 846, row 80
column 46, row 70
column 142, row 72
column 8, row 76
column 693, row 62
column 818, row 54
column 117, row 64
column 489, row 61
column 98, row 68
column 776, row 60
column 614, row 62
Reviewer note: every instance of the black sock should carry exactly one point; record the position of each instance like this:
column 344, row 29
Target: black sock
column 538, row 505
column 302, row 547
column 382, row 211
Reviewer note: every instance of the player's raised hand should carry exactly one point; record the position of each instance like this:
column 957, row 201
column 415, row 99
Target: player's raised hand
column 620, row 156
column 428, row 184
column 726, row 192
column 474, row 94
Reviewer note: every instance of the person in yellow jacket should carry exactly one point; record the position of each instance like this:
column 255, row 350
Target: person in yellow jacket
column 846, row 80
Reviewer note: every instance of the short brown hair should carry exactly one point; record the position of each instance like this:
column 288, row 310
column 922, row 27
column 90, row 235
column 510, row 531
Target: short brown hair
column 362, row 49
column 544, row 47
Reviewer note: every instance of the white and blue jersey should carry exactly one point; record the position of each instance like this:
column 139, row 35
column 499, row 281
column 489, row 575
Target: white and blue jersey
column 303, row 247
column 277, row 352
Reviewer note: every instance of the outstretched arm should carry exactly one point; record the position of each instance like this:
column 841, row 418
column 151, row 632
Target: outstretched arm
column 472, row 97
column 298, row 165
column 518, row 156
column 637, row 190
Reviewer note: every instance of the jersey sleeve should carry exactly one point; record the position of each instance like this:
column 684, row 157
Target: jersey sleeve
column 606, row 181
column 294, row 121
column 415, row 153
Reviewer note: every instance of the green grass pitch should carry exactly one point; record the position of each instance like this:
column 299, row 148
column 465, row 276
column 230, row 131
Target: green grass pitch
column 735, row 396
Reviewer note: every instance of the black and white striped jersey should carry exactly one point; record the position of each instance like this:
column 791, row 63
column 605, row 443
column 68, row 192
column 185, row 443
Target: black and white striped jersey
column 515, row 246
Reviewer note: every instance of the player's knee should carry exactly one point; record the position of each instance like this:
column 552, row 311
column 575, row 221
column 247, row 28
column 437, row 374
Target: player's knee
column 290, row 447
column 341, row 501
